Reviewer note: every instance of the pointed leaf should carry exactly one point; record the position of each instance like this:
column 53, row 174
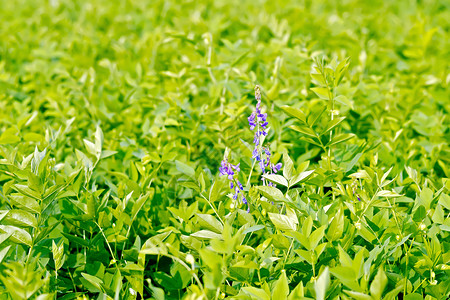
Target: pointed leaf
column 378, row 284
column 282, row 222
column 332, row 124
column 294, row 112
column 277, row 179
column 281, row 287
column 305, row 130
column 322, row 283
column 340, row 139
column 300, row 177
column 18, row 235
column 322, row 92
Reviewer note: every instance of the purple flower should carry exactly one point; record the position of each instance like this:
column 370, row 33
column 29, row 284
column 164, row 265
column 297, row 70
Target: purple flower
column 261, row 164
column 230, row 171
column 252, row 121
column 276, row 167
column 258, row 120
column 239, row 185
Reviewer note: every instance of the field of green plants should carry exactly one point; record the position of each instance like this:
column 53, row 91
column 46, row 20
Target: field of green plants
column 224, row 149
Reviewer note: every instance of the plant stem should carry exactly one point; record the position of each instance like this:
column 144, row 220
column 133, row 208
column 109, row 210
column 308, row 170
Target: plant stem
column 214, row 209
column 107, row 243
column 250, row 174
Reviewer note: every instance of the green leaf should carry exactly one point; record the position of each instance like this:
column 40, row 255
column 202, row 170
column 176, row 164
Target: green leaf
column 277, row 179
column 288, row 166
column 4, row 252
column 426, row 196
column 321, row 284
column 312, row 119
column 185, row 169
column 300, row 177
column 216, row 189
column 336, row 228
column 316, row 236
column 340, row 138
column 95, row 281
column 25, row 190
column 210, row 222
column 107, row 153
column 318, row 78
column 385, row 175
column 322, row 92
column 9, row 137
column 98, row 142
column 281, row 287
column 18, row 235
column 271, row 193
column 306, row 255
column 378, row 284
column 311, row 141
column 58, row 253
column 90, row 147
column 282, row 222
column 344, row 100
column 255, row 292
column 358, row 295
column 20, row 218
column 137, row 206
column 386, row 193
column 305, row 130
column 207, row 234
column 76, row 239
column 297, row 292
column 332, row 124
column 253, row 229
column 3, row 214
column 307, row 226
column 439, row 215
column 294, row 112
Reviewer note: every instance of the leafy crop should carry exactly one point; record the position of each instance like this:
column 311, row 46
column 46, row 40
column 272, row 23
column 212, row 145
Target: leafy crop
column 117, row 115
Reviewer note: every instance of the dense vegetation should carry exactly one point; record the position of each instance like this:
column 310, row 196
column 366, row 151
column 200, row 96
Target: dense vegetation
column 117, row 115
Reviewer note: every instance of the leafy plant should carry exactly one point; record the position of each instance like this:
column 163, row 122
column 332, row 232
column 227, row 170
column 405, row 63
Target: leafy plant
column 134, row 162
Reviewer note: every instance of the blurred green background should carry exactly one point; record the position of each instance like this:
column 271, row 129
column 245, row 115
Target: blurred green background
column 174, row 80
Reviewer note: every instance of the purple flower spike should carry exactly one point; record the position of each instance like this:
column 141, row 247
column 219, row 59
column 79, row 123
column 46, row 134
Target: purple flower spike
column 231, row 171
column 258, row 120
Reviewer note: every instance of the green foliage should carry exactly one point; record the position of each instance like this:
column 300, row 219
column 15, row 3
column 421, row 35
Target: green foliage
column 115, row 116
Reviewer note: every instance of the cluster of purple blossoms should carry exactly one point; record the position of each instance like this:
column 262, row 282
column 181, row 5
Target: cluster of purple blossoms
column 258, row 120
column 354, row 186
column 230, row 170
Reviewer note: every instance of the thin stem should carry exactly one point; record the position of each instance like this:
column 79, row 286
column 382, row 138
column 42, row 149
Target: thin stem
column 107, row 243
column 29, row 255
column 214, row 209
column 181, row 262
column 406, row 265
column 395, row 217
column 73, row 282
column 368, row 204
column 314, row 268
column 419, row 285
column 250, row 175
column 217, row 293
column 287, row 254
